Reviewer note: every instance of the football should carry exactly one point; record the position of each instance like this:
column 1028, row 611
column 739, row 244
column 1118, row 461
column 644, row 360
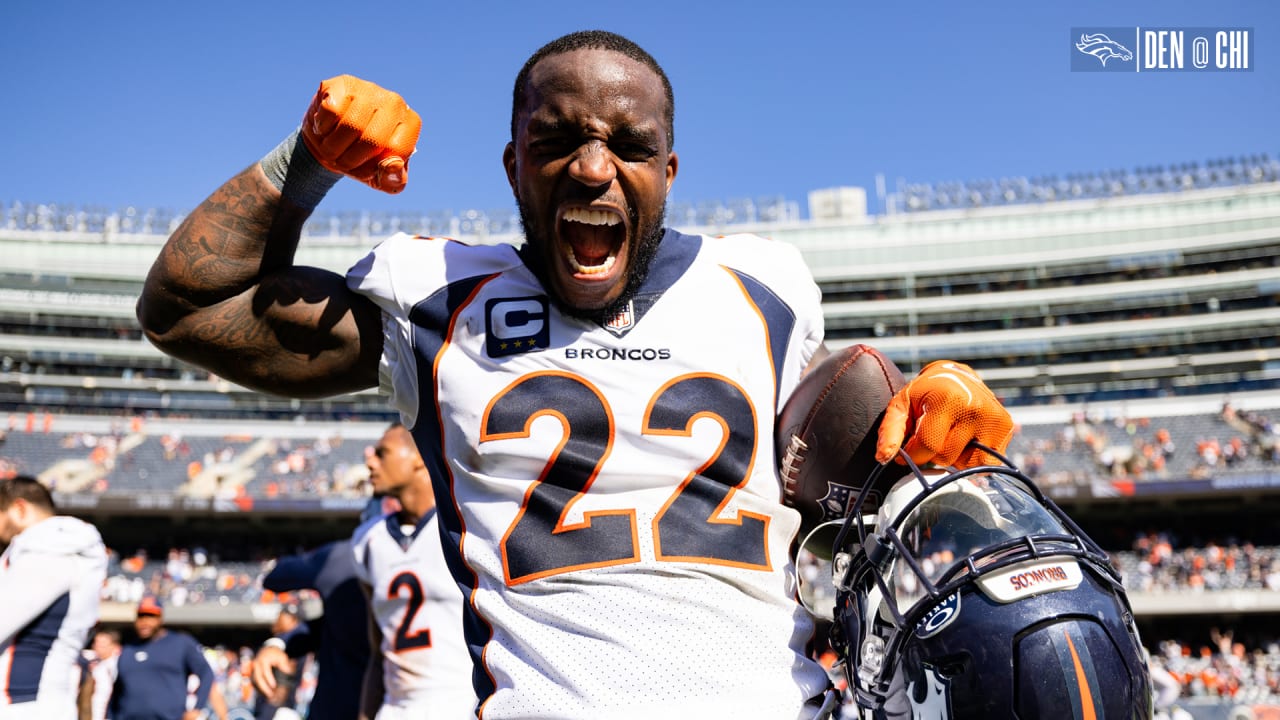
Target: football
column 827, row 434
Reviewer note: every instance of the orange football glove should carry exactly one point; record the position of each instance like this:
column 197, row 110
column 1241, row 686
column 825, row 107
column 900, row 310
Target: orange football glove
column 362, row 130
column 942, row 409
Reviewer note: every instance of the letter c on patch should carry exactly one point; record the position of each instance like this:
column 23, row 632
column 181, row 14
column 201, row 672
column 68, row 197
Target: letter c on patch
column 517, row 318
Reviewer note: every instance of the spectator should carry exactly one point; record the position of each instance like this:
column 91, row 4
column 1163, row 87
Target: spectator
column 152, row 672
column 102, row 656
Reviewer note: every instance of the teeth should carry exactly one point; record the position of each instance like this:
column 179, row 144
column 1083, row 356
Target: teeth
column 587, row 216
column 588, row 269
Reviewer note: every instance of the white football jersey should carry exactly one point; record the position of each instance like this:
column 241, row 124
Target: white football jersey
column 615, row 519
column 50, row 577
column 418, row 608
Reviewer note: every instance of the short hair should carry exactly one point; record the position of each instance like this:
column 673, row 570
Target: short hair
column 26, row 488
column 398, row 428
column 594, row 40
column 111, row 633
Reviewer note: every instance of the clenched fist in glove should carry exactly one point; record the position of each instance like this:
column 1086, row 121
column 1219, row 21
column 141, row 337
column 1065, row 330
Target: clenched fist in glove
column 938, row 413
column 362, row 130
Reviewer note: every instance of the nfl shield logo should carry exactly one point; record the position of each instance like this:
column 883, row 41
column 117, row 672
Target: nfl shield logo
column 839, row 500
column 619, row 324
column 835, row 505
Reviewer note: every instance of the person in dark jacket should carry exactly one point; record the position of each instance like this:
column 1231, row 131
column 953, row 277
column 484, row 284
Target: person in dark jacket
column 339, row 638
column 267, row 706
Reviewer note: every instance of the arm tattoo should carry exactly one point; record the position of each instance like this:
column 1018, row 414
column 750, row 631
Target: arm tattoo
column 225, row 294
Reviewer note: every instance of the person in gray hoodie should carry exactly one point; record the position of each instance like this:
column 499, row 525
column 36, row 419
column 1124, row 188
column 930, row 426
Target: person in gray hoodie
column 51, row 571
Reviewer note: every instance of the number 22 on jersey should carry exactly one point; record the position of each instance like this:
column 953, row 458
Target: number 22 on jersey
column 688, row 528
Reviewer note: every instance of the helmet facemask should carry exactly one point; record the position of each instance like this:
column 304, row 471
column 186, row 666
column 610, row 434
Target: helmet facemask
column 949, row 581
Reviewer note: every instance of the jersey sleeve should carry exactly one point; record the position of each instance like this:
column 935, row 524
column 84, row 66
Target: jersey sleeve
column 30, row 583
column 375, row 277
column 360, row 550
column 296, row 572
column 398, row 275
column 782, row 269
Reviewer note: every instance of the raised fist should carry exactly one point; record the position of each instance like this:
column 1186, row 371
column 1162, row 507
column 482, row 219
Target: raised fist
column 938, row 413
column 362, row 130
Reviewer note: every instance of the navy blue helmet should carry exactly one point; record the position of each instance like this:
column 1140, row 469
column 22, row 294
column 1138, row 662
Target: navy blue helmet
column 969, row 594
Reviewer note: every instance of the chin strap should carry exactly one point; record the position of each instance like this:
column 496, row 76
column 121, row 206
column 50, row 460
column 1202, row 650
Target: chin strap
column 830, row 701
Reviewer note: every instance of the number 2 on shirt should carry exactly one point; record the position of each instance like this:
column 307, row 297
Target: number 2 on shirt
column 404, row 638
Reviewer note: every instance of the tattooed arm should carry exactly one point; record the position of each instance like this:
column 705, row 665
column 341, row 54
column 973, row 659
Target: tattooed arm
column 225, row 295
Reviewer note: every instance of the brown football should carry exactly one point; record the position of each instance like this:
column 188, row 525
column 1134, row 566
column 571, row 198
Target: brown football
column 827, row 434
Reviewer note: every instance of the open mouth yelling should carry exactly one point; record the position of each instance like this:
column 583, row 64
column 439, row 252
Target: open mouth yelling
column 591, row 240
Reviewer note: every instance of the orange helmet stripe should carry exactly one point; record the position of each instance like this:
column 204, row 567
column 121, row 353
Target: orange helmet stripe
column 1082, row 680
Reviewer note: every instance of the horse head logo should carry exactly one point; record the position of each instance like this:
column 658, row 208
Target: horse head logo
column 1103, row 48
column 935, row 704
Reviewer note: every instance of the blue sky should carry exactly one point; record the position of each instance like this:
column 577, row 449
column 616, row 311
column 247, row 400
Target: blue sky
column 153, row 104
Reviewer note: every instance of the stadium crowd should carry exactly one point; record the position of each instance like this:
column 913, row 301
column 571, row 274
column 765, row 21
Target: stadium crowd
column 1218, row 667
column 189, row 577
column 1090, row 449
column 132, row 457
column 1154, row 565
column 1100, row 447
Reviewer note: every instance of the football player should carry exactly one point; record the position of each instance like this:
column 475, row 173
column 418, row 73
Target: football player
column 419, row 665
column 50, row 575
column 596, row 408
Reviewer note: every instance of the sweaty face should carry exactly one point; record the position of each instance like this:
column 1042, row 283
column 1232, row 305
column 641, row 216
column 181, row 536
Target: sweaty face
column 590, row 168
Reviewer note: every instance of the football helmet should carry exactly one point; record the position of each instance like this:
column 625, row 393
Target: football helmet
column 969, row 594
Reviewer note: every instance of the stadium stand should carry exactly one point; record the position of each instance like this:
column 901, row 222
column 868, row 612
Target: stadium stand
column 1128, row 319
